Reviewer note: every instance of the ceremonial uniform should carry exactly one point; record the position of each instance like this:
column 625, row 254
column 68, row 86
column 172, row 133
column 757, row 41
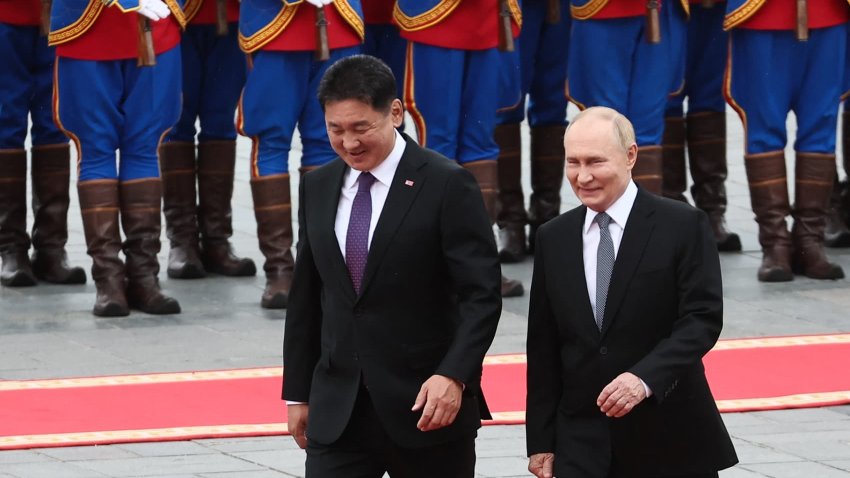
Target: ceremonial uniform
column 770, row 73
column 540, row 63
column 26, row 86
column 214, row 71
column 704, row 130
column 279, row 94
column 105, row 102
column 837, row 232
column 452, row 88
column 612, row 63
column 383, row 39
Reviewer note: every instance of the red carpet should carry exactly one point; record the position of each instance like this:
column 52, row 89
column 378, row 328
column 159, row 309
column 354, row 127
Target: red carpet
column 745, row 374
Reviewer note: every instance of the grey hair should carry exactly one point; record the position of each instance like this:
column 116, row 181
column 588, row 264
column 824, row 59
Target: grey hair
column 622, row 128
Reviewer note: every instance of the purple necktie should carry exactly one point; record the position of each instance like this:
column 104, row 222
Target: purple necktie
column 357, row 237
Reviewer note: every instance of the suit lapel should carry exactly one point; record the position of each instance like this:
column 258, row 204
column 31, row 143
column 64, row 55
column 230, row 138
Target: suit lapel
column 327, row 238
column 406, row 184
column 635, row 238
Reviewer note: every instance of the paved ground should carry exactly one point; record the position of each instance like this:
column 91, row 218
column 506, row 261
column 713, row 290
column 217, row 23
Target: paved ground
column 48, row 332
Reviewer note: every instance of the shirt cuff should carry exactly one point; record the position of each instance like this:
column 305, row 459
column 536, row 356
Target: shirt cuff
column 293, row 402
column 646, row 388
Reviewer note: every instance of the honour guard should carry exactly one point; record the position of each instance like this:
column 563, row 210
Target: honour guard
column 26, row 88
column 789, row 55
column 704, row 128
column 383, row 39
column 452, row 83
column 542, row 54
column 291, row 44
column 118, row 88
column 213, row 76
column 627, row 55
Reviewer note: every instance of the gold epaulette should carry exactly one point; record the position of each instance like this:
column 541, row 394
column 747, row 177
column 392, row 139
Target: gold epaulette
column 269, row 32
column 516, row 11
column 191, row 8
column 742, row 13
column 351, row 17
column 425, row 19
column 79, row 27
column 588, row 10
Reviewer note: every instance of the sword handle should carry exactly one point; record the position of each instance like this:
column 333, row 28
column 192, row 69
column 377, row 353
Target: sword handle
column 653, row 22
column 147, row 56
column 506, row 31
column 801, row 29
column 45, row 16
column 221, row 18
column 553, row 12
column 323, row 49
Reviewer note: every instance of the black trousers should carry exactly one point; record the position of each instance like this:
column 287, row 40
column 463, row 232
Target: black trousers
column 365, row 451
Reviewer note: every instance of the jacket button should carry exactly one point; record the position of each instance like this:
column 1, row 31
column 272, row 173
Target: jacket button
column 603, row 350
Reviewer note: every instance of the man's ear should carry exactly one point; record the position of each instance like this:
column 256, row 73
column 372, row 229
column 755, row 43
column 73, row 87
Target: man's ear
column 631, row 156
column 397, row 112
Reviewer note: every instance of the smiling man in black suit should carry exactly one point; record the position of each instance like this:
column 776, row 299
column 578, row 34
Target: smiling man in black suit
column 626, row 298
column 395, row 297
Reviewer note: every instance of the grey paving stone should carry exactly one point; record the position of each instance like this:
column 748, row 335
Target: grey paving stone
column 798, row 470
column 51, row 470
column 249, row 474
column 9, row 457
column 249, row 444
column 168, row 448
column 501, row 466
column 287, row 461
column 740, row 472
column 169, row 465
column 81, row 453
column 749, row 453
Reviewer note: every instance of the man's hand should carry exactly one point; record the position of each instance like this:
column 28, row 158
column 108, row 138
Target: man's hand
column 297, row 423
column 320, row 3
column 622, row 395
column 540, row 464
column 439, row 399
column 153, row 9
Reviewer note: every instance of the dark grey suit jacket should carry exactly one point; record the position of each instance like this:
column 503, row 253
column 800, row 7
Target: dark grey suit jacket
column 663, row 313
column 429, row 302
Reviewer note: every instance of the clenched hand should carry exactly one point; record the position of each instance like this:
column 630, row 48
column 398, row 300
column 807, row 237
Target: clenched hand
column 439, row 399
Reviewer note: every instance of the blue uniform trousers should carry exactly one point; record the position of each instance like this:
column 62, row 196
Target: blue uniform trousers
column 281, row 93
column 705, row 61
column 612, row 64
column 26, row 88
column 452, row 96
column 214, row 70
column 112, row 105
column 385, row 42
column 541, row 64
column 771, row 73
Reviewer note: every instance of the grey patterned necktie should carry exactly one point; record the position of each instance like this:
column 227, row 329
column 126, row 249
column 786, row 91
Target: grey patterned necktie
column 604, row 265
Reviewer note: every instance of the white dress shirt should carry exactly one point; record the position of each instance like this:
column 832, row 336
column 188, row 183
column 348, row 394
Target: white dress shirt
column 619, row 212
column 384, row 174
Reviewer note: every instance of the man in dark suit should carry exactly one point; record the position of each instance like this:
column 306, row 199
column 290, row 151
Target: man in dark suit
column 395, row 298
column 626, row 298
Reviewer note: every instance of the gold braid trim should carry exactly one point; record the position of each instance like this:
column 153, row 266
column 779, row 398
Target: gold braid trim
column 686, row 6
column 426, row 19
column 742, row 13
column 76, row 29
column 177, row 12
column 516, row 12
column 191, row 8
column 352, row 18
column 270, row 31
column 588, row 10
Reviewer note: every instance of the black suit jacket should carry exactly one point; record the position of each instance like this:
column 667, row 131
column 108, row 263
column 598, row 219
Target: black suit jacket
column 664, row 311
column 429, row 302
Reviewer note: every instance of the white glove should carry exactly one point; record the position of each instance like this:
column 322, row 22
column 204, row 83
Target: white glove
column 153, row 9
column 320, row 3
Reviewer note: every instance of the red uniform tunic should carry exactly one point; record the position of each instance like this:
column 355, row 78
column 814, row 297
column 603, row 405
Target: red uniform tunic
column 472, row 25
column 20, row 12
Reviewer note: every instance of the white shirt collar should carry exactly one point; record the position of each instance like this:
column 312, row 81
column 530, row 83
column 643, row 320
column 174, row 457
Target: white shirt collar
column 619, row 211
column 385, row 171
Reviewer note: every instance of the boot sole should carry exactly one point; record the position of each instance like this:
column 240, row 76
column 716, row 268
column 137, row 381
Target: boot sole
column 75, row 276
column 516, row 291
column 777, row 276
column 247, row 270
column 112, row 310
column 277, row 301
column 168, row 307
column 510, row 257
column 190, row 271
column 731, row 244
column 839, row 240
column 19, row 279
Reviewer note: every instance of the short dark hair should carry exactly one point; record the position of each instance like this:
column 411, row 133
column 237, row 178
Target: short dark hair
column 359, row 77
